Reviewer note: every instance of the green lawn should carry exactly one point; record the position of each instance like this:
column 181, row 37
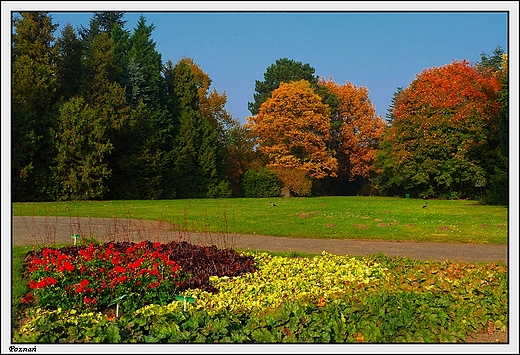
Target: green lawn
column 382, row 218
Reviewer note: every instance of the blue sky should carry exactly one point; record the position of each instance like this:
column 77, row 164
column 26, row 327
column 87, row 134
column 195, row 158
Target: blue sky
column 378, row 50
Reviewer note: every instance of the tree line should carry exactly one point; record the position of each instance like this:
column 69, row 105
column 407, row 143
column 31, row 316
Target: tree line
column 97, row 115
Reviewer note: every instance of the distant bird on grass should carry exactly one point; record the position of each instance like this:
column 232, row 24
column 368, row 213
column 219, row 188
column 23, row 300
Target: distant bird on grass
column 272, row 204
column 425, row 205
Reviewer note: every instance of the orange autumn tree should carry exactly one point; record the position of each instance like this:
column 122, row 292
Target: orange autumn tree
column 292, row 129
column 357, row 129
column 444, row 137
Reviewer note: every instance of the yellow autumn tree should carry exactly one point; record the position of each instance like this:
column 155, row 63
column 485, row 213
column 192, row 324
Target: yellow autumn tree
column 293, row 129
column 358, row 130
column 211, row 102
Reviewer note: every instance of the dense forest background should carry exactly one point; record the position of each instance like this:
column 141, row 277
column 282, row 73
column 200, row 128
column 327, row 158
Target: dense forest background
column 97, row 114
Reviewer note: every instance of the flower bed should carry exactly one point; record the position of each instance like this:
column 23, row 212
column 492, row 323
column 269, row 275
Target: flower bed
column 98, row 276
column 253, row 297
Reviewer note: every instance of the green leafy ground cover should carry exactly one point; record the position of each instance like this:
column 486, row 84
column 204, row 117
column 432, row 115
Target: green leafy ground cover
column 352, row 217
column 323, row 299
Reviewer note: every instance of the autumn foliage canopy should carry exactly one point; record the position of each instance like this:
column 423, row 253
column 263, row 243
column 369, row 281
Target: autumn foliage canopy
column 443, row 135
column 293, row 129
column 359, row 129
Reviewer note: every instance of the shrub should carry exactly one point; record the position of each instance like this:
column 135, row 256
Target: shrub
column 221, row 190
column 261, row 183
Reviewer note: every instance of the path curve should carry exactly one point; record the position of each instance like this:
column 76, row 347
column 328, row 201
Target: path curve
column 51, row 230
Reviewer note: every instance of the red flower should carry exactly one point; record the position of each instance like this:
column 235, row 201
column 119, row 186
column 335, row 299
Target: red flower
column 117, row 280
column 88, row 300
column 156, row 245
column 119, row 269
column 87, row 254
column 40, row 284
column 82, row 286
column 36, row 261
column 44, row 283
column 46, row 252
column 153, row 272
column 27, row 299
column 136, row 263
column 66, row 266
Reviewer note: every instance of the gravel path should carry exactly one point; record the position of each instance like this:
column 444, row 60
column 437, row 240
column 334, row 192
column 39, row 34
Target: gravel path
column 50, row 230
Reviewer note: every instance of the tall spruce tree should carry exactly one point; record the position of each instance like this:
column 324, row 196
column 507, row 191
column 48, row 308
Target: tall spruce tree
column 138, row 157
column 143, row 56
column 70, row 62
column 87, row 125
column 196, row 154
column 34, row 85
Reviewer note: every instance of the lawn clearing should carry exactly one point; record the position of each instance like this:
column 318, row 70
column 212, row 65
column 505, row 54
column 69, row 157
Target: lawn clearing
column 354, row 217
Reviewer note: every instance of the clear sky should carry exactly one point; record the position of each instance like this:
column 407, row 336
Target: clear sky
column 378, row 50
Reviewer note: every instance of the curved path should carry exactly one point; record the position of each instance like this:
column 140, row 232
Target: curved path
column 51, row 230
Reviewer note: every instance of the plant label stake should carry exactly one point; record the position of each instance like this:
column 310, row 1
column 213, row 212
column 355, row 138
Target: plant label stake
column 185, row 299
column 75, row 236
column 117, row 303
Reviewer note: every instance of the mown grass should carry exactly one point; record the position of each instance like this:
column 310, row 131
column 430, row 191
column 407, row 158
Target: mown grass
column 354, row 217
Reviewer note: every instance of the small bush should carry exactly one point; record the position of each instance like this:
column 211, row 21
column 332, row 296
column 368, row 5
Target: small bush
column 261, row 183
column 221, row 190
